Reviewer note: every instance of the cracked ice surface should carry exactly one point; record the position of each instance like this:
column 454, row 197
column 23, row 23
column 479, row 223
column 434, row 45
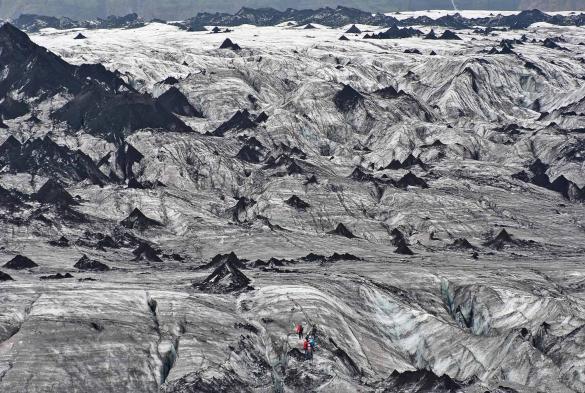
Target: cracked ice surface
column 513, row 317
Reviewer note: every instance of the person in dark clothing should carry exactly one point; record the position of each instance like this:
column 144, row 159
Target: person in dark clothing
column 313, row 331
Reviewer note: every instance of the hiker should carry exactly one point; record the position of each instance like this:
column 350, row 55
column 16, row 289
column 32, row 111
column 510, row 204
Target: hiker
column 307, row 348
column 313, row 331
column 312, row 343
column 299, row 330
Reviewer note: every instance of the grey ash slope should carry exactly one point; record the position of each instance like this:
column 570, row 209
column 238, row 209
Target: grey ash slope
column 408, row 204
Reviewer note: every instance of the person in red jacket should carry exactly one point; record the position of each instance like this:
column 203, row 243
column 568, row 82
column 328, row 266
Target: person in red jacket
column 307, row 348
column 299, row 330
